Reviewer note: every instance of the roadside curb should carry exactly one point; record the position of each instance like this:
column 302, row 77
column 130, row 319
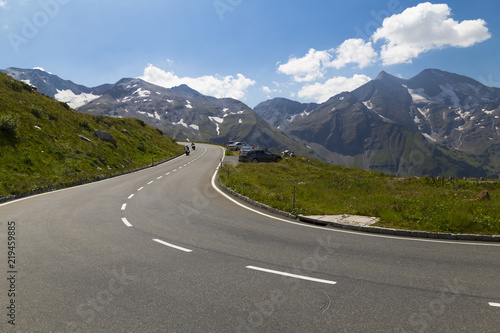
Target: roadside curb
column 405, row 233
column 377, row 230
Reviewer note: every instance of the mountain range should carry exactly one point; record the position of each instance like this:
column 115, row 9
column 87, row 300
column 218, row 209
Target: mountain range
column 436, row 123
column 181, row 113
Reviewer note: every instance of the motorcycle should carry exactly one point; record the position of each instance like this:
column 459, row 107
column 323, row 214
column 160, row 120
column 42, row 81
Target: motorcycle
column 193, row 146
column 186, row 150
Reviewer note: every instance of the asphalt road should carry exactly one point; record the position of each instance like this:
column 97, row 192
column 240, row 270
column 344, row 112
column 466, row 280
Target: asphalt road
column 160, row 250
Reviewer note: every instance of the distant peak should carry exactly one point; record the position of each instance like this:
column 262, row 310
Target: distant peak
column 384, row 76
column 183, row 88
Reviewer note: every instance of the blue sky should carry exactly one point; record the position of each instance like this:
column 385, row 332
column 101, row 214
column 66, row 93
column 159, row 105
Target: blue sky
column 253, row 50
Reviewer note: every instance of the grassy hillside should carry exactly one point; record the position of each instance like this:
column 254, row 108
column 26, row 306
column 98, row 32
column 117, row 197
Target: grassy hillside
column 44, row 143
column 405, row 203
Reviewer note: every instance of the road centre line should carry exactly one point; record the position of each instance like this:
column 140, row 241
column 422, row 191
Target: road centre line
column 124, row 206
column 140, row 188
column 302, row 277
column 168, row 173
column 151, row 182
column 127, row 223
column 160, row 177
column 172, row 245
column 495, row 304
column 131, row 196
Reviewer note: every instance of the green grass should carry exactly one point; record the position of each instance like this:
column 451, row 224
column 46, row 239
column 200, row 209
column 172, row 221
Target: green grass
column 404, row 203
column 42, row 142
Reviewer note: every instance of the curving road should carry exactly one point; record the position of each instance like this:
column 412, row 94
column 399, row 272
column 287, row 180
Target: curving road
column 160, row 250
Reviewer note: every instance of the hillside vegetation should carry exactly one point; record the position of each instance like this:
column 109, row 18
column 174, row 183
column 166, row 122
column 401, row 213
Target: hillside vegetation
column 44, row 143
column 411, row 203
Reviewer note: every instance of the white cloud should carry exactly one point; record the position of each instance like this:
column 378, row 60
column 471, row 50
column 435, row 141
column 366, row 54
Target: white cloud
column 3, row 3
column 268, row 90
column 308, row 68
column 217, row 86
column 321, row 92
column 354, row 51
column 313, row 65
column 423, row 28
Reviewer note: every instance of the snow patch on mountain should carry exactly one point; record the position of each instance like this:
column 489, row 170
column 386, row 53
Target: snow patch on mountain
column 73, row 100
column 216, row 119
column 448, row 94
column 418, row 96
column 368, row 105
column 142, row 93
column 301, row 115
column 181, row 122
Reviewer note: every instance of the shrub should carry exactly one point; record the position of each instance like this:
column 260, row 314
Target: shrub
column 85, row 124
column 65, row 105
column 141, row 147
column 8, row 125
column 19, row 86
column 36, row 112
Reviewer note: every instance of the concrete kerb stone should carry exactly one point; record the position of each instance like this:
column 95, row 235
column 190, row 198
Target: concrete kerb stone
column 379, row 230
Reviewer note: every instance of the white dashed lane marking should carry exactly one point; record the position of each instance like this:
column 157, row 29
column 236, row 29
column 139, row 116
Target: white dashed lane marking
column 497, row 305
column 172, row 246
column 302, row 277
column 124, row 206
column 127, row 223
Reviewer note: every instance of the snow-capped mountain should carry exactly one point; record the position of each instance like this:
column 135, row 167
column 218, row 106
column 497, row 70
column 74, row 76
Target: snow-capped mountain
column 436, row 123
column 280, row 112
column 447, row 108
column 51, row 85
column 184, row 114
column 180, row 112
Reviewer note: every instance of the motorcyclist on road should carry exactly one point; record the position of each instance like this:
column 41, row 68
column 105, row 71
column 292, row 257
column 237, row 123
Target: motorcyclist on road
column 193, row 146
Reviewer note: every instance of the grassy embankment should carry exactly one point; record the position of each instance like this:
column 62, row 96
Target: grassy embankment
column 403, row 203
column 43, row 143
